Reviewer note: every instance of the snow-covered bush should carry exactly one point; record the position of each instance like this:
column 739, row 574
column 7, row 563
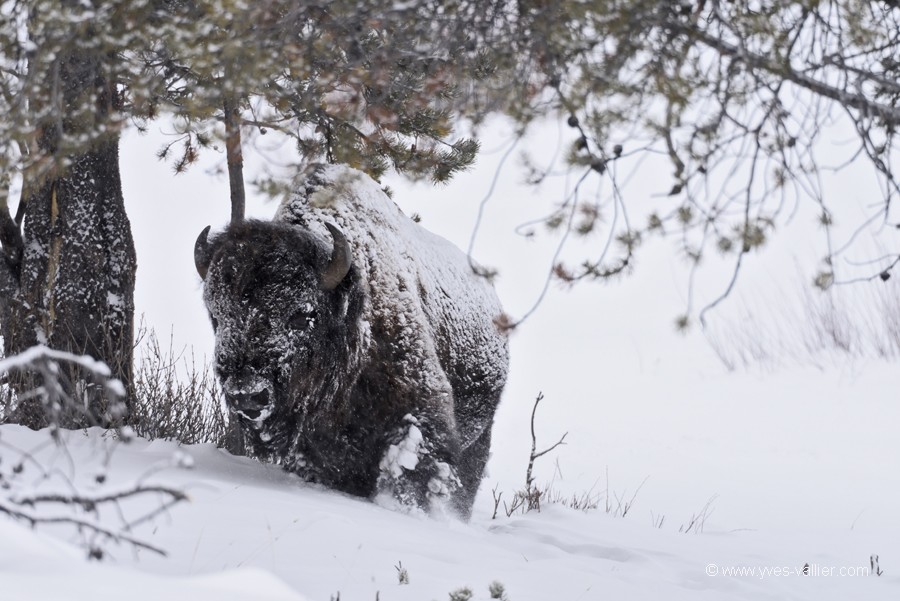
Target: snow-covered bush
column 174, row 399
column 462, row 594
column 43, row 485
column 63, row 399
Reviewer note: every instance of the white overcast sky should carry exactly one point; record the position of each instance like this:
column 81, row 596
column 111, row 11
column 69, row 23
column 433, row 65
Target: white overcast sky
column 168, row 211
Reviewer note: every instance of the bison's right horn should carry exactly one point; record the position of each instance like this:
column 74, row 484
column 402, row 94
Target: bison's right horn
column 340, row 260
column 202, row 253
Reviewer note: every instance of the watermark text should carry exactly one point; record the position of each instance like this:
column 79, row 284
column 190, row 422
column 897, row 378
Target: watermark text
column 763, row 572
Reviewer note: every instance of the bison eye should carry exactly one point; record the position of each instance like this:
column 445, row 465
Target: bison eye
column 302, row 319
column 215, row 323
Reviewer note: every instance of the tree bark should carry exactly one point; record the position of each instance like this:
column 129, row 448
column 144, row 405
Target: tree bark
column 73, row 288
column 76, row 284
column 235, row 157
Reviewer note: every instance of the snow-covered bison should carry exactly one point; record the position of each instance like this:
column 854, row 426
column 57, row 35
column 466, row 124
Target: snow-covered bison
column 354, row 347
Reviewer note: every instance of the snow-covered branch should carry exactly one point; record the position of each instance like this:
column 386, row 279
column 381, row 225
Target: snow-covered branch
column 44, row 485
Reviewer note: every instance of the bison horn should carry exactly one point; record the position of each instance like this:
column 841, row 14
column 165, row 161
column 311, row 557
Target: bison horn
column 340, row 260
column 202, row 253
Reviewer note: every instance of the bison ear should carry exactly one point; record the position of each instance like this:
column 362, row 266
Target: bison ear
column 339, row 265
column 202, row 253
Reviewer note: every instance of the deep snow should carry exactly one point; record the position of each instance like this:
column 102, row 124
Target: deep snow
column 251, row 531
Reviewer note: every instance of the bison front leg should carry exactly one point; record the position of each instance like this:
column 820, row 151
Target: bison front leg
column 418, row 469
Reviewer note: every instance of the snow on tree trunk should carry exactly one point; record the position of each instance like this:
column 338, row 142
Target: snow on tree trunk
column 74, row 287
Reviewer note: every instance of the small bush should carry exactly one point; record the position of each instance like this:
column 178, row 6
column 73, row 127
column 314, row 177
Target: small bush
column 497, row 591
column 174, row 398
column 461, row 594
column 402, row 573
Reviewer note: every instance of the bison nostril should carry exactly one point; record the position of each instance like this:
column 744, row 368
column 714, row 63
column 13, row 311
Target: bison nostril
column 260, row 399
column 235, row 400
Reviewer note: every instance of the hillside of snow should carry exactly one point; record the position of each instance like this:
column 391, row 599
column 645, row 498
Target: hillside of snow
column 251, row 531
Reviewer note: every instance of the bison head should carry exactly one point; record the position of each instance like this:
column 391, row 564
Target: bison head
column 285, row 306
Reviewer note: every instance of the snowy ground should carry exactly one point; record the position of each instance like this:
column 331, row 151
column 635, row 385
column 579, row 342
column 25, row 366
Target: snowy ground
column 252, row 532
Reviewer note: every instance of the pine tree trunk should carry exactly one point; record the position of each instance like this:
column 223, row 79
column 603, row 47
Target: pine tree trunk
column 76, row 285
column 73, row 287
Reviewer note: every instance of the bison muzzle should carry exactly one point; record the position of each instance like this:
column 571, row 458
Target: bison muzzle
column 354, row 347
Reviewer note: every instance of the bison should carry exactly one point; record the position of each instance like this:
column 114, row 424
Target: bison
column 355, row 348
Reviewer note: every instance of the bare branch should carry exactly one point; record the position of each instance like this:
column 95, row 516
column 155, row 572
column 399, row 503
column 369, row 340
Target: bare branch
column 90, row 502
column 118, row 537
column 529, row 478
column 867, row 106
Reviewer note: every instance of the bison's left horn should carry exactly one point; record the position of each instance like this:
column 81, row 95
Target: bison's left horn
column 340, row 260
column 202, row 253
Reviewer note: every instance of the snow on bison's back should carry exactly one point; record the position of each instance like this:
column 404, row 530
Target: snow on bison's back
column 354, row 347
